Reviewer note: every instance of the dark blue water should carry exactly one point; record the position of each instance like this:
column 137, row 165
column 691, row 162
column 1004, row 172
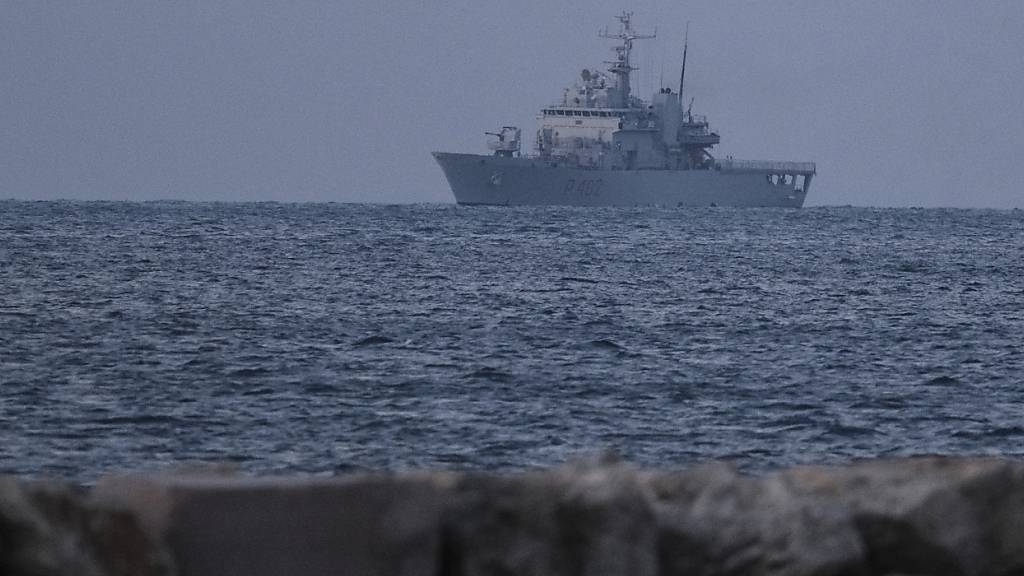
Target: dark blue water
column 324, row 338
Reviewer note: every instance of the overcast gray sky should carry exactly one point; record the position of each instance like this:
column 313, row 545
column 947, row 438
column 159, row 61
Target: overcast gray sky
column 901, row 103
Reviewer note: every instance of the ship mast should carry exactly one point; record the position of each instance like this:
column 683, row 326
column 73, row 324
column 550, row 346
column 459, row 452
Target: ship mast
column 621, row 66
column 682, row 75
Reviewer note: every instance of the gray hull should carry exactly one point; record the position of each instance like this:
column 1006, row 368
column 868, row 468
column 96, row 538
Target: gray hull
column 504, row 181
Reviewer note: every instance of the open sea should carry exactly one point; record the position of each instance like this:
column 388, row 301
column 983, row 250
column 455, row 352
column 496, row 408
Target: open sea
column 324, row 338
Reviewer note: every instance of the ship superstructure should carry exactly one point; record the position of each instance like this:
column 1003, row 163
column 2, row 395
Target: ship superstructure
column 600, row 145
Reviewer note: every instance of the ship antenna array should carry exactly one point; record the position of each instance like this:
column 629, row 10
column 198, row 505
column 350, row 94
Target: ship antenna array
column 682, row 75
column 626, row 34
column 622, row 65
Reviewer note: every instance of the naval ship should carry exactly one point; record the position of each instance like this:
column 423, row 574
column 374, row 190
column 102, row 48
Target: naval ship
column 602, row 146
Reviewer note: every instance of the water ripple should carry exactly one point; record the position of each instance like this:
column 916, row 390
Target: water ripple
column 320, row 338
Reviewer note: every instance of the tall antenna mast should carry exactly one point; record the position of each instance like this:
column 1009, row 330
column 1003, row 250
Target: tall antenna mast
column 621, row 66
column 682, row 75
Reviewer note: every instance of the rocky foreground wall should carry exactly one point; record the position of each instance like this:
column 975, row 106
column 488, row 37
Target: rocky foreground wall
column 940, row 516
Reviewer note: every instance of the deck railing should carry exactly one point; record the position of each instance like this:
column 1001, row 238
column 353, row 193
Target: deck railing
column 731, row 165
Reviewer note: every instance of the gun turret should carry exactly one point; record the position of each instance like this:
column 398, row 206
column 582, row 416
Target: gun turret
column 507, row 143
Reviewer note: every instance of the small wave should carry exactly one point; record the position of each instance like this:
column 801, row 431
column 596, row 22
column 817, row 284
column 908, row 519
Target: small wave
column 346, row 468
column 943, row 381
column 248, row 372
column 374, row 340
column 792, row 421
column 912, row 266
column 876, row 403
column 847, row 431
column 489, row 374
column 263, row 391
column 440, row 365
column 547, row 290
column 318, row 388
column 1006, row 431
column 782, row 429
column 138, row 419
column 605, row 344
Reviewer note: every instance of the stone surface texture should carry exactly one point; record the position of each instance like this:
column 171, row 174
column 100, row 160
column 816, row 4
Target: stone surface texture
column 927, row 515
column 51, row 529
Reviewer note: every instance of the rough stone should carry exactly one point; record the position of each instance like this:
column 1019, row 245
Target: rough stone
column 358, row 525
column 934, row 516
column 586, row 520
column 48, row 528
column 715, row 521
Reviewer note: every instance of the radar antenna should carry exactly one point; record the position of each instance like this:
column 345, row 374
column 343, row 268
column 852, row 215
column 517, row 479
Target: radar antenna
column 621, row 66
